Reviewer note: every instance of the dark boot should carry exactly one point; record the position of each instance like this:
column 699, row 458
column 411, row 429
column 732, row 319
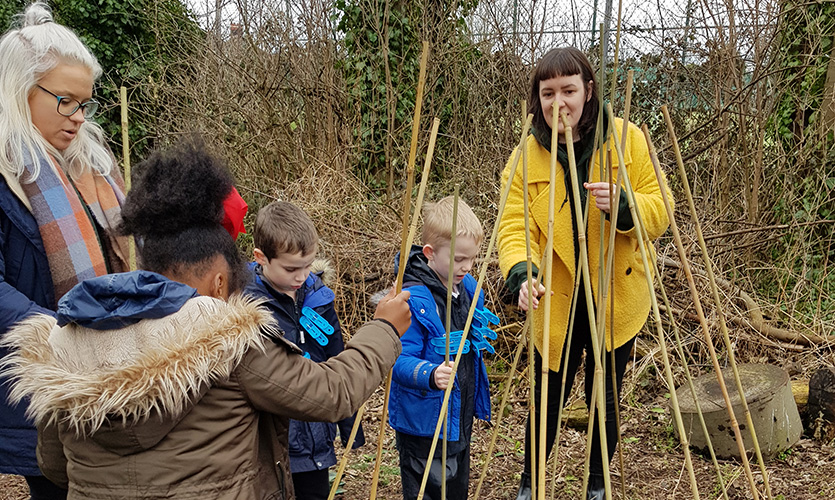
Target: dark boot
column 597, row 490
column 596, row 494
column 524, row 492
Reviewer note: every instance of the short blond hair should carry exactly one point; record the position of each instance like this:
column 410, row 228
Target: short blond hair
column 437, row 223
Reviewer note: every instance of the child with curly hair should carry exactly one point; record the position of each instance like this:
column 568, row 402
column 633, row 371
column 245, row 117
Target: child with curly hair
column 159, row 383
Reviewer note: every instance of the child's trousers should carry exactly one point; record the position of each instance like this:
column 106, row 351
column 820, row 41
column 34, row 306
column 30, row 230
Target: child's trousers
column 312, row 485
column 413, row 454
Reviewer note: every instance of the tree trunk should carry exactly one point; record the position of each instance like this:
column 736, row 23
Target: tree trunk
column 821, row 405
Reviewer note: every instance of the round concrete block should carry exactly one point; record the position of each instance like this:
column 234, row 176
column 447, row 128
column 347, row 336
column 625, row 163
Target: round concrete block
column 770, row 400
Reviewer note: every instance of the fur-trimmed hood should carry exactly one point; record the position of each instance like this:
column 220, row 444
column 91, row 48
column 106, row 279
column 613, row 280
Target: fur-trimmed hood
column 102, row 383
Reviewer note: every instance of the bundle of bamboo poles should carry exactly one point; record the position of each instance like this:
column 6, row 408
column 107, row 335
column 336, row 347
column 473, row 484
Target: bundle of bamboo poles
column 650, row 271
column 596, row 318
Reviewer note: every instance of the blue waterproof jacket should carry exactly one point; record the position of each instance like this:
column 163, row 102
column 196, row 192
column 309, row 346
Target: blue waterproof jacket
column 310, row 443
column 414, row 406
column 25, row 288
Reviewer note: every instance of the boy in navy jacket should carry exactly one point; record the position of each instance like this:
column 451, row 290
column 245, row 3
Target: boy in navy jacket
column 420, row 375
column 286, row 242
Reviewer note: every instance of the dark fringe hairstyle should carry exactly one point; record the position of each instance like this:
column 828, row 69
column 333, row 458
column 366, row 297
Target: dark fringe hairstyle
column 565, row 61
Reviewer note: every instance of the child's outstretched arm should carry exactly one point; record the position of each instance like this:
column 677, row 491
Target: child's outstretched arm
column 284, row 383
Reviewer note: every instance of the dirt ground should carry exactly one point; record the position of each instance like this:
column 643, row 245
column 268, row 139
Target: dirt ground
column 654, row 464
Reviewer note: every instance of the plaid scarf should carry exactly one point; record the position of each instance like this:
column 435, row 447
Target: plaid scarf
column 69, row 235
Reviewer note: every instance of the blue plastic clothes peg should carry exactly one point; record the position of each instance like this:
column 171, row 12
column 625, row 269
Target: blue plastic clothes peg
column 314, row 332
column 318, row 320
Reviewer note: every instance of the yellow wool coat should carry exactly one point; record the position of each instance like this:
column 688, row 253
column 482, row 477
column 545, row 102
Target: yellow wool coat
column 631, row 295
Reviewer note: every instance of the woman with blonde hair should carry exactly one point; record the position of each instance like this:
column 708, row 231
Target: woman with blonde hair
column 60, row 196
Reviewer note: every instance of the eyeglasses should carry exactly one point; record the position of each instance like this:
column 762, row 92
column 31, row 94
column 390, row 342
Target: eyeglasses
column 67, row 106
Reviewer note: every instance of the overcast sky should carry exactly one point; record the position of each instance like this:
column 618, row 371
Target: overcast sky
column 647, row 25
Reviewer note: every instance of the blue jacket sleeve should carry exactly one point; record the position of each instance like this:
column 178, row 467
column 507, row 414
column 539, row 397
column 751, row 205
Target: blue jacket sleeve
column 412, row 369
column 14, row 306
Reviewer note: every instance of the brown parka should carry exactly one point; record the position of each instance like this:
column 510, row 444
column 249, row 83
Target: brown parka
column 192, row 405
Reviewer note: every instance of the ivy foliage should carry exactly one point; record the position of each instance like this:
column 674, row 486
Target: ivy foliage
column 130, row 40
column 805, row 47
column 381, row 65
column 374, row 38
column 806, row 193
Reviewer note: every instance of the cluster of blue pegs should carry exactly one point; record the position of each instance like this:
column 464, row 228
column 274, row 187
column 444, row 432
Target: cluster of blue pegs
column 316, row 326
column 480, row 335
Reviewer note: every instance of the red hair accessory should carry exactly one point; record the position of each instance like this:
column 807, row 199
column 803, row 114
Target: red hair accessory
column 234, row 210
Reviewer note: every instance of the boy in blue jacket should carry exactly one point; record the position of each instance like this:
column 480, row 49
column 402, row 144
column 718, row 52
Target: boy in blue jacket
column 420, row 375
column 286, row 241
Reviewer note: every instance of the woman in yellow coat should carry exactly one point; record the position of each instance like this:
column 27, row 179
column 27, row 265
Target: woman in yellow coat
column 565, row 76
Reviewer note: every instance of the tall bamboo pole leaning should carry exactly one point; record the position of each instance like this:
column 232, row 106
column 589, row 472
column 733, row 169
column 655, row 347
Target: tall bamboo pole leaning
column 697, row 303
column 648, row 272
column 342, row 463
column 410, row 173
column 500, row 414
column 546, row 261
column 529, row 317
column 407, row 238
column 607, row 272
column 480, row 283
column 611, row 280
column 526, row 330
column 123, row 97
column 600, row 393
column 679, row 345
column 424, row 181
column 569, row 338
column 560, row 407
column 448, row 324
column 716, row 299
column 600, row 139
column 398, row 286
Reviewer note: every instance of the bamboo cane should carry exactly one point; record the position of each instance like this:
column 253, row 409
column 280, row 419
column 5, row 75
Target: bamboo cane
column 424, row 179
column 529, row 317
column 705, row 329
column 123, row 97
column 584, row 267
column 614, row 206
column 616, row 200
column 662, row 343
column 569, row 339
column 600, row 139
column 479, row 284
column 410, row 172
column 571, row 318
column 679, row 345
column 500, row 414
column 717, row 301
column 560, row 407
column 546, row 263
column 398, row 286
column 617, row 53
column 342, row 463
column 449, row 285
column 404, row 249
column 526, row 327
